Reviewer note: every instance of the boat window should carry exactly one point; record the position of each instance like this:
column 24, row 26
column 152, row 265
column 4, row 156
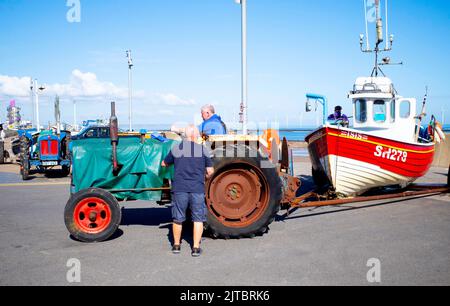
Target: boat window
column 379, row 111
column 405, row 109
column 361, row 111
column 393, row 111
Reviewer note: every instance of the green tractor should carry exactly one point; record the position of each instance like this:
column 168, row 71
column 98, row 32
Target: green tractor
column 252, row 181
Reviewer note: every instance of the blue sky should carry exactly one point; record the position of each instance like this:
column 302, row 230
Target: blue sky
column 187, row 54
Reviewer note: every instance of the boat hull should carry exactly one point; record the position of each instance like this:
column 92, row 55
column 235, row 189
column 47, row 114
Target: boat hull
column 356, row 162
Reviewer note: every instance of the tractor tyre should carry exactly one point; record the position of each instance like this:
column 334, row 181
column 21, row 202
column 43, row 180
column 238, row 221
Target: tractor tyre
column 92, row 215
column 244, row 194
column 65, row 170
column 24, row 158
column 2, row 152
column 320, row 178
column 66, row 146
column 25, row 169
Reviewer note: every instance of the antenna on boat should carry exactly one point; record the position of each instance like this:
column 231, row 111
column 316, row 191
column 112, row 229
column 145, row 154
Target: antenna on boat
column 380, row 39
column 422, row 115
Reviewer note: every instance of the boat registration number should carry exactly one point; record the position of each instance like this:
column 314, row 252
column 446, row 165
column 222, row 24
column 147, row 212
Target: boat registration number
column 391, row 154
column 50, row 163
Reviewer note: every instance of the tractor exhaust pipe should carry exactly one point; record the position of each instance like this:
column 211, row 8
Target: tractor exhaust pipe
column 114, row 134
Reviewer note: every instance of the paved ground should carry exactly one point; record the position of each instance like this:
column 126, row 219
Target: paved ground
column 326, row 246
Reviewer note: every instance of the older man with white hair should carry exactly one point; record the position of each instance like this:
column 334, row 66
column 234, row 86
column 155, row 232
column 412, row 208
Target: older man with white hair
column 212, row 123
column 192, row 165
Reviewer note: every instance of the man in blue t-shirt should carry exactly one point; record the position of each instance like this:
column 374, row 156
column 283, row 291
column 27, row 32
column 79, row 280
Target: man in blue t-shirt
column 338, row 116
column 212, row 123
column 192, row 164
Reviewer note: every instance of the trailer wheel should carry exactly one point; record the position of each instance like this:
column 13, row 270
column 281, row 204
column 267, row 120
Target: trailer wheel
column 244, row 195
column 92, row 215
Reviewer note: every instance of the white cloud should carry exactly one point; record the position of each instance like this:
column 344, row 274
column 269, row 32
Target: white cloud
column 83, row 85
column 173, row 100
column 14, row 86
column 93, row 96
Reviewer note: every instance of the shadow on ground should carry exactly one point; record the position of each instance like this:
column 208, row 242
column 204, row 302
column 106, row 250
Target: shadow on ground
column 156, row 216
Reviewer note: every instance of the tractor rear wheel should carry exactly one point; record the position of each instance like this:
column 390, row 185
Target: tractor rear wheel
column 2, row 152
column 24, row 158
column 244, row 194
column 25, row 169
column 92, row 215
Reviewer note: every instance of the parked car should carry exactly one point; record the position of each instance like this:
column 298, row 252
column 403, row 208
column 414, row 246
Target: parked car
column 92, row 132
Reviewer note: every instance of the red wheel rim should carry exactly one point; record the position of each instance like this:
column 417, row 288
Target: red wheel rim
column 238, row 197
column 92, row 215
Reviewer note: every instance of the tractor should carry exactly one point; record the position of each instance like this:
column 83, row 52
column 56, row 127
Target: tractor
column 253, row 179
column 42, row 151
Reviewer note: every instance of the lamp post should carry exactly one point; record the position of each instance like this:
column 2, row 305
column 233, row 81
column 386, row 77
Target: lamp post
column 35, row 93
column 32, row 101
column 130, row 92
column 244, row 105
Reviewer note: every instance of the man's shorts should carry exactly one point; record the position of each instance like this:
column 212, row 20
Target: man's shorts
column 180, row 203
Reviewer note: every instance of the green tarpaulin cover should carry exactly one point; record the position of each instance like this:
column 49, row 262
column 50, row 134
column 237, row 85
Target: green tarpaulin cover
column 141, row 166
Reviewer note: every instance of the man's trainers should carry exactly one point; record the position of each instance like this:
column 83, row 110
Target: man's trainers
column 176, row 249
column 196, row 252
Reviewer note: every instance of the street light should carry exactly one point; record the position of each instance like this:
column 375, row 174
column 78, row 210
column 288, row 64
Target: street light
column 35, row 93
column 130, row 93
column 244, row 106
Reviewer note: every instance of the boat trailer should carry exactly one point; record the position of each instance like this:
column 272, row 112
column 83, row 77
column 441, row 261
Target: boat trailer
column 315, row 199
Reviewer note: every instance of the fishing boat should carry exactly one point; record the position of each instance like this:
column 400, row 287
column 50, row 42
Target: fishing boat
column 384, row 147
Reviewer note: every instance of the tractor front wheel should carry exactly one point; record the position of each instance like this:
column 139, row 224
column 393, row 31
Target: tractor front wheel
column 92, row 215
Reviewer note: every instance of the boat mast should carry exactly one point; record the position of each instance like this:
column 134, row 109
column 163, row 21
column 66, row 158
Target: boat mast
column 379, row 31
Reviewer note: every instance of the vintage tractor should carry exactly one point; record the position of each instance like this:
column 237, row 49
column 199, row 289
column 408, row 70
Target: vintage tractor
column 44, row 150
column 252, row 180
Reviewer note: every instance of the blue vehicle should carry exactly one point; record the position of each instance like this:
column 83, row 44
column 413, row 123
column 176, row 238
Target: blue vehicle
column 42, row 151
column 92, row 132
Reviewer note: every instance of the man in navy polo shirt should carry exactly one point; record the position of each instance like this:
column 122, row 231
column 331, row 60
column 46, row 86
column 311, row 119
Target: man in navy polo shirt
column 192, row 165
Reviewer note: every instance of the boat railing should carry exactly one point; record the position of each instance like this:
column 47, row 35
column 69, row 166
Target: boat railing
column 370, row 88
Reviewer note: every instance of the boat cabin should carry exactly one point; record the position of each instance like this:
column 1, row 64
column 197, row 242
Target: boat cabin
column 379, row 110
